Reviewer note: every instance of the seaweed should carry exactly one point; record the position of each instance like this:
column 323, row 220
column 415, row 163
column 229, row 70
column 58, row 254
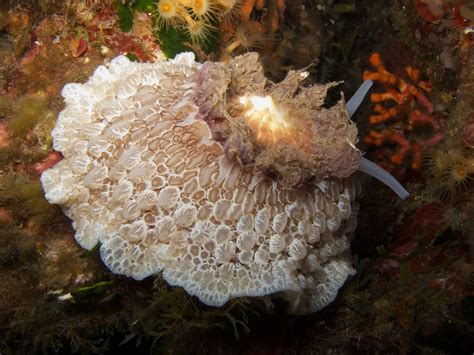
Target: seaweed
column 99, row 290
column 6, row 106
column 173, row 41
column 143, row 5
column 93, row 251
column 27, row 112
column 125, row 16
column 177, row 322
column 11, row 238
column 25, row 198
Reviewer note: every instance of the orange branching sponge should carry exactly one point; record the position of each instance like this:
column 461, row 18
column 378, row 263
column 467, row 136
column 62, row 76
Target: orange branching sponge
column 405, row 107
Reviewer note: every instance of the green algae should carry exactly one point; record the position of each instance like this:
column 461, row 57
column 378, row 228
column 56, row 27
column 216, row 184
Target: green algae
column 86, row 293
column 125, row 16
column 173, row 41
column 11, row 238
column 178, row 322
column 143, row 5
column 25, row 197
column 89, row 253
column 27, row 113
column 6, row 106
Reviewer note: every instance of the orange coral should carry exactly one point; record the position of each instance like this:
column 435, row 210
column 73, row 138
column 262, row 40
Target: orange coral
column 405, row 104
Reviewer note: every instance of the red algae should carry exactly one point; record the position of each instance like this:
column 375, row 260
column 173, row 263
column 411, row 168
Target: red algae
column 78, row 47
column 51, row 160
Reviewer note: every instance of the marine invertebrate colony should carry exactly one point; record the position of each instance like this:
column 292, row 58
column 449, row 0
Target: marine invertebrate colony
column 451, row 168
column 145, row 173
column 396, row 104
column 240, row 24
column 195, row 16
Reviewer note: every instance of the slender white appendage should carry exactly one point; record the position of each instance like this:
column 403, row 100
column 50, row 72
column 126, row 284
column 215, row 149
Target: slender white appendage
column 368, row 167
column 353, row 104
column 365, row 165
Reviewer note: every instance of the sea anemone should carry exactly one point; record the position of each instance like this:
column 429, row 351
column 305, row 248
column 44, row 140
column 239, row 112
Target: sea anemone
column 228, row 5
column 196, row 17
column 168, row 13
column 247, row 36
column 451, row 169
column 459, row 173
column 230, row 10
column 204, row 9
column 199, row 30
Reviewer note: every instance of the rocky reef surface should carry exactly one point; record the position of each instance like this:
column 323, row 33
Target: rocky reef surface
column 413, row 289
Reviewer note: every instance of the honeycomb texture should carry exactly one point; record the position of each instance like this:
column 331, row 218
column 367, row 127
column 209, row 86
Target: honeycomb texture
column 143, row 176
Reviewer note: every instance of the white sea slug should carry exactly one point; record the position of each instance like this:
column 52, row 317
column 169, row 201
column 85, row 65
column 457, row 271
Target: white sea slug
column 146, row 174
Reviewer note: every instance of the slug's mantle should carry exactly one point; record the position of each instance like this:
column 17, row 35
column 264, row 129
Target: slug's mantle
column 145, row 174
column 280, row 129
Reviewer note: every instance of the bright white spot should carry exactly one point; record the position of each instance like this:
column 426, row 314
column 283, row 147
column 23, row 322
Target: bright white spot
column 264, row 117
column 66, row 297
column 304, row 75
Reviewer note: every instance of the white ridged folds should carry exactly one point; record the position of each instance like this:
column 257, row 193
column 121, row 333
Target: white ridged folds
column 142, row 176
